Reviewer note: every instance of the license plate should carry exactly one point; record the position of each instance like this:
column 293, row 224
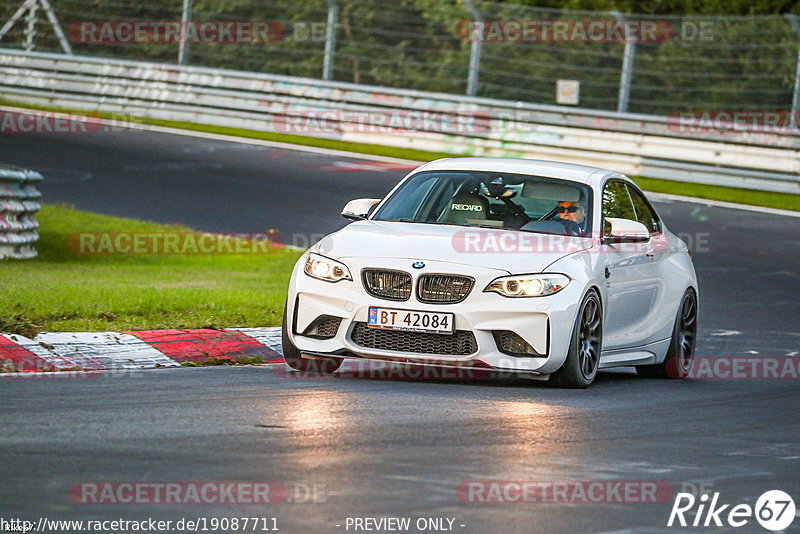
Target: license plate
column 411, row 321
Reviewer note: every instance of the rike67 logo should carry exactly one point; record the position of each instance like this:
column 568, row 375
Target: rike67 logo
column 774, row 510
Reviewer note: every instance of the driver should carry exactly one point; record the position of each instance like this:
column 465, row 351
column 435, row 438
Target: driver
column 572, row 211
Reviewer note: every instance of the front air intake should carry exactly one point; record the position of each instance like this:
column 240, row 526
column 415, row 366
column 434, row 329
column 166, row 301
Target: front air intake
column 460, row 343
column 387, row 284
column 443, row 288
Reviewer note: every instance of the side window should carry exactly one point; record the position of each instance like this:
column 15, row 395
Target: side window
column 616, row 203
column 644, row 213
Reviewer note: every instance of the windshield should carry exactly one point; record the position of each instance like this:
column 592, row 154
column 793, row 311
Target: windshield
column 492, row 200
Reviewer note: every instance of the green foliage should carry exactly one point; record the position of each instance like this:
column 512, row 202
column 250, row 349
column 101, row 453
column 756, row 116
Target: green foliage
column 739, row 64
column 675, row 7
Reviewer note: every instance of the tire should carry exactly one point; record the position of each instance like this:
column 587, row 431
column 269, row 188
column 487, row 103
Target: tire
column 291, row 354
column 586, row 345
column 680, row 354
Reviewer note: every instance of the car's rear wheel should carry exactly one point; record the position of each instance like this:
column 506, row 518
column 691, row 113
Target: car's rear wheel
column 680, row 355
column 583, row 359
column 294, row 360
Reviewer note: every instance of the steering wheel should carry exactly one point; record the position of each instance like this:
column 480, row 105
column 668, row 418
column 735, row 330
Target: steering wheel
column 570, row 226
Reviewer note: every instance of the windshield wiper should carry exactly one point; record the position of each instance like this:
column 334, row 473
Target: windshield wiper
column 406, row 220
column 443, row 223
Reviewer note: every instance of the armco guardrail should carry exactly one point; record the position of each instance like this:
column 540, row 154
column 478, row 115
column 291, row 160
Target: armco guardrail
column 640, row 145
column 19, row 202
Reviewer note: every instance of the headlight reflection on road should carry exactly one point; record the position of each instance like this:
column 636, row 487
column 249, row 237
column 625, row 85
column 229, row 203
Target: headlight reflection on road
column 537, row 431
column 320, row 413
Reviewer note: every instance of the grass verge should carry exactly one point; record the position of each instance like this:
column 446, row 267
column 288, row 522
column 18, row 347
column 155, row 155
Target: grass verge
column 63, row 290
column 711, row 192
column 767, row 199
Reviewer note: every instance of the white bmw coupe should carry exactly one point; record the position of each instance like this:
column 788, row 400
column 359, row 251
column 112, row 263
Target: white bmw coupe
column 546, row 268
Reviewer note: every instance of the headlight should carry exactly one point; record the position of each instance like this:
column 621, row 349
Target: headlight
column 326, row 269
column 529, row 285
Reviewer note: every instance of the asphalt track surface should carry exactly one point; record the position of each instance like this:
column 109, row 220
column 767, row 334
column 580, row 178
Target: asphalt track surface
column 400, row 448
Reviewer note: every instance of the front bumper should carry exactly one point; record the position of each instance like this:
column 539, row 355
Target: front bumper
column 545, row 323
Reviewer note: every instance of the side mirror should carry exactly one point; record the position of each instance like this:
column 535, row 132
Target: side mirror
column 626, row 231
column 358, row 209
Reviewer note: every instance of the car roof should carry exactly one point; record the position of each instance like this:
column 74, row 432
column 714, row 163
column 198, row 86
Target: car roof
column 550, row 169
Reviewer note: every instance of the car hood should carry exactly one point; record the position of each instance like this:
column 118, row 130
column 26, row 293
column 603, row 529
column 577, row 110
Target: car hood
column 506, row 250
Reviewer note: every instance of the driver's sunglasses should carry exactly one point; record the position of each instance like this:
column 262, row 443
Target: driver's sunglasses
column 570, row 209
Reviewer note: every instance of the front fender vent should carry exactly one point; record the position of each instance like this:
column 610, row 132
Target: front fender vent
column 511, row 343
column 323, row 327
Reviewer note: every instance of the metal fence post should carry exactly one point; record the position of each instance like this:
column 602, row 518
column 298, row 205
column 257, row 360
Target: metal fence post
column 183, row 46
column 30, row 29
column 51, row 16
column 29, row 5
column 14, row 18
column 475, row 49
column 627, row 68
column 796, row 91
column 330, row 39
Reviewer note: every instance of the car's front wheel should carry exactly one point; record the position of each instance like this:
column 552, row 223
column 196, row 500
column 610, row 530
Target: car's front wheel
column 294, row 360
column 583, row 358
column 680, row 355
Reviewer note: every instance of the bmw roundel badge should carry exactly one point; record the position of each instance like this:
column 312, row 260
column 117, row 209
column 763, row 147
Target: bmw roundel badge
column 418, row 265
